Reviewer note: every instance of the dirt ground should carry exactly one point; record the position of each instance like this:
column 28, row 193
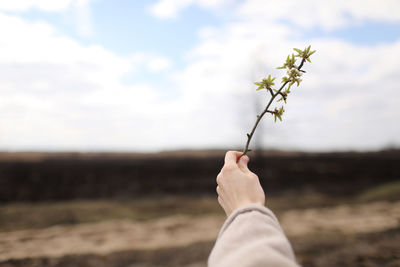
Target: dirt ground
column 115, row 210
column 353, row 234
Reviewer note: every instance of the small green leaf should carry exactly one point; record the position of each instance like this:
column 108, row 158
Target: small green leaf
column 297, row 50
column 286, row 92
column 308, row 60
column 290, row 84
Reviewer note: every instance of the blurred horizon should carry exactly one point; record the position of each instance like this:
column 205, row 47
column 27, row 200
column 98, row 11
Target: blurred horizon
column 204, row 150
column 166, row 75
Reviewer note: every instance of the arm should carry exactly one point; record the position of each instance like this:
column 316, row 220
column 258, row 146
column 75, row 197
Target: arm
column 251, row 235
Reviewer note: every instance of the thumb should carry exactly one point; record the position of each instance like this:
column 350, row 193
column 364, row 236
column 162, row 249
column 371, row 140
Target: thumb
column 243, row 163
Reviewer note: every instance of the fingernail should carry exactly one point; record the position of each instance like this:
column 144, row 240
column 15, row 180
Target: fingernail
column 244, row 159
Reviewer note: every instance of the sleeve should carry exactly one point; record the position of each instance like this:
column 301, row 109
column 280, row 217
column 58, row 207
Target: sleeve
column 251, row 236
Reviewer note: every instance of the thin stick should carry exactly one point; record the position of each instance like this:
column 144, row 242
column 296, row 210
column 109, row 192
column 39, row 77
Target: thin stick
column 266, row 110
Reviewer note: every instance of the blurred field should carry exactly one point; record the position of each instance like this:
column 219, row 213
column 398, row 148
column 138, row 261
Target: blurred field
column 356, row 226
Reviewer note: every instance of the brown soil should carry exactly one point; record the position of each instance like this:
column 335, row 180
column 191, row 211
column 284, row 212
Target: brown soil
column 152, row 210
column 345, row 235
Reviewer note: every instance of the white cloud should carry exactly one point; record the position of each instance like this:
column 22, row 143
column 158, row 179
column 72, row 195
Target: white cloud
column 151, row 62
column 307, row 13
column 326, row 14
column 84, row 20
column 57, row 93
column 158, row 64
column 45, row 5
column 343, row 102
column 164, row 9
column 168, row 8
column 81, row 7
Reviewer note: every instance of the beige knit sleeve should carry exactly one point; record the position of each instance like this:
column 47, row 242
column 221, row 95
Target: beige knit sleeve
column 251, row 236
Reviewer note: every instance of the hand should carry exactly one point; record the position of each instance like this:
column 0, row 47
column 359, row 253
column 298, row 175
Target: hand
column 237, row 185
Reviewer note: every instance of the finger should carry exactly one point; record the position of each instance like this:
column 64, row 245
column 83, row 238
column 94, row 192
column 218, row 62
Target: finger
column 218, row 179
column 231, row 157
column 218, row 189
column 238, row 155
column 243, row 161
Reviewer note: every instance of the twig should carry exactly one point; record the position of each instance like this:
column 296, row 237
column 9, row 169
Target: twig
column 266, row 110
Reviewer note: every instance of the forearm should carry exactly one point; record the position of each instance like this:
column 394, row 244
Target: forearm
column 252, row 236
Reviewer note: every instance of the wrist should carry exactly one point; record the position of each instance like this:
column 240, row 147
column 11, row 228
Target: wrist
column 246, row 203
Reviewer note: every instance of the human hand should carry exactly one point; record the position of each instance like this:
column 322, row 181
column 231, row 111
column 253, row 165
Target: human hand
column 237, row 185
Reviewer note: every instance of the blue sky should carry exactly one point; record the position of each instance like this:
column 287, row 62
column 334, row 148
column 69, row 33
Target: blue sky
column 368, row 33
column 128, row 26
column 174, row 74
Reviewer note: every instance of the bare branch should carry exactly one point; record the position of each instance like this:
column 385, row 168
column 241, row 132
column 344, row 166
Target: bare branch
column 266, row 110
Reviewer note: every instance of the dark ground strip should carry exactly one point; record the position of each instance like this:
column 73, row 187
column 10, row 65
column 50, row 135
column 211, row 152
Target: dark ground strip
column 167, row 257
column 66, row 178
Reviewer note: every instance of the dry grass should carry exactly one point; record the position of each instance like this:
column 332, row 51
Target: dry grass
column 388, row 191
column 17, row 216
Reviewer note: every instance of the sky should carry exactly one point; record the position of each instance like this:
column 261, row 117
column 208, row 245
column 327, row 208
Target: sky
column 101, row 75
